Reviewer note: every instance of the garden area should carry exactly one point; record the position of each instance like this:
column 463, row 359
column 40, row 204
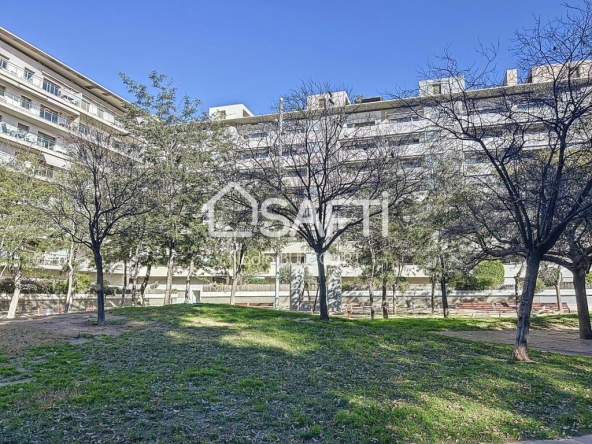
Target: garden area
column 213, row 373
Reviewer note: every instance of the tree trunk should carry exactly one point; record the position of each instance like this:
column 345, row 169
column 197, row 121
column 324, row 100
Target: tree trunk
column 145, row 284
column 394, row 298
column 17, row 275
column 125, row 283
column 371, row 299
column 234, row 277
column 533, row 263
column 100, row 290
column 233, row 288
column 169, row 280
column 433, row 294
column 71, row 280
column 517, row 286
column 324, row 311
column 134, row 276
column 444, row 296
column 188, row 282
column 517, row 293
column 579, row 283
column 384, row 302
column 558, row 281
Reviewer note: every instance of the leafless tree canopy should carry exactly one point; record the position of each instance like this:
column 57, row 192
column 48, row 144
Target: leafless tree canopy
column 531, row 139
column 317, row 160
column 105, row 186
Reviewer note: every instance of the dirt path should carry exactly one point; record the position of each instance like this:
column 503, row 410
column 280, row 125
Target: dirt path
column 20, row 334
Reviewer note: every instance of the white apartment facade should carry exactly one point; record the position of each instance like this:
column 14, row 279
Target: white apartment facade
column 40, row 96
column 396, row 121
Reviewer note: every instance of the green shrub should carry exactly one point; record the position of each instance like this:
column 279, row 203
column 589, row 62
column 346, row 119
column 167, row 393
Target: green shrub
column 34, row 286
column 486, row 275
column 347, row 286
column 83, row 282
column 540, row 286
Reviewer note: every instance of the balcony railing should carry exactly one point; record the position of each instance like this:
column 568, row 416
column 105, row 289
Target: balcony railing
column 28, row 137
column 23, row 104
column 51, row 260
column 66, row 94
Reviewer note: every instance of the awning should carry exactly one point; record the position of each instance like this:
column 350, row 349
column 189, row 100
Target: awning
column 55, row 161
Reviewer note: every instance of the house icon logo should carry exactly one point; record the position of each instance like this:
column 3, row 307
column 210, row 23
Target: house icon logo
column 209, row 208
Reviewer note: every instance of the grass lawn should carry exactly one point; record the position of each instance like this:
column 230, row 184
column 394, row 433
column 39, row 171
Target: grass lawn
column 212, row 373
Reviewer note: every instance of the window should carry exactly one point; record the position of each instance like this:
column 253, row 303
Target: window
column 28, row 75
column 475, row 158
column 51, row 87
column 257, row 135
column 492, row 110
column 366, row 145
column 263, row 155
column 3, row 62
column 414, row 162
column 100, row 113
column 83, row 129
column 22, row 127
column 313, row 147
column 2, row 90
column 403, row 119
column 433, row 136
column 411, row 139
column 322, row 103
column 46, row 141
column 85, row 105
column 222, row 115
column 492, row 133
column 294, row 173
column 361, row 124
column 25, row 102
column 48, row 114
column 436, row 88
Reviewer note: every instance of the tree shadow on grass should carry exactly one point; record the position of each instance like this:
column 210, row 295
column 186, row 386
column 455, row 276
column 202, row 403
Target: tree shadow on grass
column 225, row 374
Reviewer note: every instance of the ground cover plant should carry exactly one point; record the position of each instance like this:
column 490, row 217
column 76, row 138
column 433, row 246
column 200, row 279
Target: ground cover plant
column 213, row 373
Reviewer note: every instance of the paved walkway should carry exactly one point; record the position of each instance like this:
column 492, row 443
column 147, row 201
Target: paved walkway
column 581, row 440
column 566, row 342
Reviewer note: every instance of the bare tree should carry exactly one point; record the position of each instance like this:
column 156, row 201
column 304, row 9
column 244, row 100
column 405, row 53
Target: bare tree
column 326, row 164
column 105, row 185
column 574, row 252
column 532, row 135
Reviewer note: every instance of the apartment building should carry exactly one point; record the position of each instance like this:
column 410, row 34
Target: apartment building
column 399, row 124
column 40, row 97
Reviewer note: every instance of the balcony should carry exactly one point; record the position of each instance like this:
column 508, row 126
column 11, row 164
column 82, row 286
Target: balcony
column 29, row 138
column 51, row 260
column 27, row 106
column 66, row 94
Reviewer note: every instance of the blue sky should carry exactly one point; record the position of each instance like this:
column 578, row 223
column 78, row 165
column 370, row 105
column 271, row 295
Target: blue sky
column 253, row 51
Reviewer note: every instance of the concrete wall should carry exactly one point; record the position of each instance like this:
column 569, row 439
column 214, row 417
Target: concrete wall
column 412, row 301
